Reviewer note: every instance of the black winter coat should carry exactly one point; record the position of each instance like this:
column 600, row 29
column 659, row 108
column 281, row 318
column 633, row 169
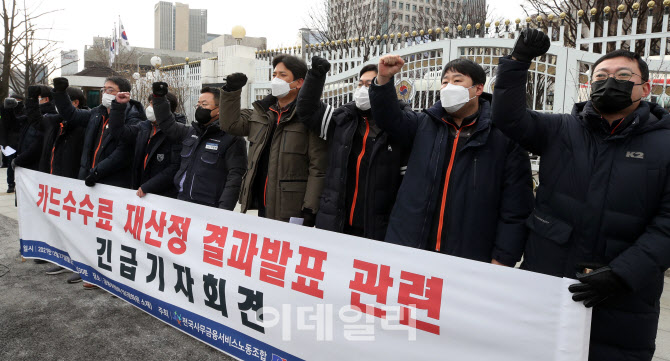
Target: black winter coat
column 489, row 194
column 156, row 158
column 603, row 198
column 63, row 143
column 385, row 167
column 11, row 122
column 31, row 137
column 212, row 161
column 109, row 158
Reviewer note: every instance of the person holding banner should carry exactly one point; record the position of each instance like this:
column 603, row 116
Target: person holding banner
column 603, row 206
column 467, row 191
column 212, row 161
column 157, row 158
column 104, row 159
column 287, row 162
column 365, row 164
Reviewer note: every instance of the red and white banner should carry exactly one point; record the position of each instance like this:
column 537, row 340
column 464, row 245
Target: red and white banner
column 258, row 289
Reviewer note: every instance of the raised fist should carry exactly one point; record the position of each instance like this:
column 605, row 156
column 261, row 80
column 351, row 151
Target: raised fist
column 235, row 81
column 320, row 66
column 389, row 65
column 530, row 44
column 160, row 88
column 34, row 92
column 60, row 84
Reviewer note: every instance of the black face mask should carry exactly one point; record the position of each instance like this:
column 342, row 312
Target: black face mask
column 610, row 96
column 203, row 116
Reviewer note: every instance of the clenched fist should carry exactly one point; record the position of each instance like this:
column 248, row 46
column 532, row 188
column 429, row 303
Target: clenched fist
column 389, row 65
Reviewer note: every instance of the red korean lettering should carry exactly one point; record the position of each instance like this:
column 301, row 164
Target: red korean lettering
column 242, row 256
column 315, row 272
column 429, row 292
column 375, row 280
column 214, row 244
column 158, row 225
column 69, row 209
column 105, row 208
column 43, row 197
column 179, row 226
column 54, row 202
column 134, row 221
column 87, row 214
column 274, row 256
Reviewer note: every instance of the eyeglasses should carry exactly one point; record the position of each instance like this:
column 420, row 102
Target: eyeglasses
column 620, row 75
column 111, row 91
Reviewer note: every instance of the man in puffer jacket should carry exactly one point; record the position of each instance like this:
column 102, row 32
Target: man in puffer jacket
column 602, row 211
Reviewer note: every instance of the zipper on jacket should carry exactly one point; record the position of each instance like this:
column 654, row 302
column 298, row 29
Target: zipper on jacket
column 265, row 190
column 102, row 133
column 438, row 243
column 53, row 150
column 474, row 181
column 146, row 157
column 358, row 171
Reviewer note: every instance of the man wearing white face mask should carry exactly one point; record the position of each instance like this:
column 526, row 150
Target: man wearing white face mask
column 104, row 159
column 467, row 191
column 365, row 164
column 156, row 159
column 287, row 161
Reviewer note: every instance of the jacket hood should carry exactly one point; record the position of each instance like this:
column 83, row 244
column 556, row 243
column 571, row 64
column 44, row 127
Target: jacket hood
column 647, row 117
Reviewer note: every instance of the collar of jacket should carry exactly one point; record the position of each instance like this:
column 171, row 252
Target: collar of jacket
column 48, row 108
column 647, row 117
column 481, row 133
column 203, row 130
column 263, row 107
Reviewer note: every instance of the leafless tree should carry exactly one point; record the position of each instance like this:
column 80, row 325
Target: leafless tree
column 533, row 8
column 26, row 58
column 451, row 13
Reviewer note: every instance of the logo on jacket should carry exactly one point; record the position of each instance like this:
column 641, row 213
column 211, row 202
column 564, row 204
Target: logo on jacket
column 277, row 358
column 160, row 157
column 212, row 146
column 636, row 155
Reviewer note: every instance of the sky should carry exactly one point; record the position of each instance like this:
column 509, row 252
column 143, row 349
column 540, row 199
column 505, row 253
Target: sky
column 76, row 22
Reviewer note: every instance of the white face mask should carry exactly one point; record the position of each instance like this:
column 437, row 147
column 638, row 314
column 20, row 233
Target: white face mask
column 107, row 100
column 362, row 98
column 454, row 97
column 280, row 88
column 150, row 113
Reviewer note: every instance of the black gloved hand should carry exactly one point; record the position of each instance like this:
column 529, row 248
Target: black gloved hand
column 91, row 179
column 10, row 103
column 34, row 92
column 160, row 88
column 530, row 44
column 596, row 286
column 308, row 218
column 320, row 66
column 235, row 81
column 61, row 84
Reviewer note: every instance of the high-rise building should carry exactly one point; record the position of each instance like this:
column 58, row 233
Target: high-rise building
column 176, row 27
column 356, row 18
column 197, row 29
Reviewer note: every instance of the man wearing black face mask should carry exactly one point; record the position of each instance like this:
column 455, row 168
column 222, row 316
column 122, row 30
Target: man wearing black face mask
column 212, row 161
column 602, row 211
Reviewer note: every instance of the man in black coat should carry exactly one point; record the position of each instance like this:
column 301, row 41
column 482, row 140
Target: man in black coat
column 157, row 157
column 12, row 118
column 38, row 103
column 603, row 205
column 104, row 159
column 63, row 143
column 365, row 165
column 467, row 191
column 212, row 161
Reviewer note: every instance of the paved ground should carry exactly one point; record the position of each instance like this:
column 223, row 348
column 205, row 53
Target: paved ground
column 44, row 318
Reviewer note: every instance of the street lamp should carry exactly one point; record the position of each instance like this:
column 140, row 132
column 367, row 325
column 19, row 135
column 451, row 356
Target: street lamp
column 238, row 33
